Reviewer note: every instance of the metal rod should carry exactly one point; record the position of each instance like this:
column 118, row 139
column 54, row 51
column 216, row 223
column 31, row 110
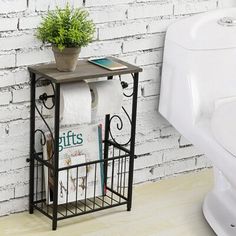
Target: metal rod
column 93, row 210
column 95, row 180
column 116, row 193
column 112, row 176
column 92, row 162
column 56, row 155
column 76, row 194
column 117, row 146
column 106, row 138
column 124, row 178
column 121, row 174
column 42, row 184
column 118, row 176
column 94, row 202
column 106, row 147
column 132, row 143
column 40, row 201
column 37, row 181
column 67, row 209
column 86, row 187
column 104, row 201
column 32, row 142
column 76, row 207
column 67, row 190
column 43, row 212
column 112, row 199
column 58, row 211
column 46, row 163
column 81, row 202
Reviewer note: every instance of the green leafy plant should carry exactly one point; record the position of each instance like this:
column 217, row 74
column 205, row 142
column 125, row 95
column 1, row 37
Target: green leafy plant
column 66, row 28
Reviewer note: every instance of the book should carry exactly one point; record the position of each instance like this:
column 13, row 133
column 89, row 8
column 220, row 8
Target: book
column 76, row 146
column 108, row 63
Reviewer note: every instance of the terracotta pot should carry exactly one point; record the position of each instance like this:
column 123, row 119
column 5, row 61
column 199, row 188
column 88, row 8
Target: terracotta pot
column 66, row 60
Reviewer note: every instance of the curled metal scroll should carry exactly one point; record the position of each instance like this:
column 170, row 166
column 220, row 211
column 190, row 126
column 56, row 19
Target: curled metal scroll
column 119, row 121
column 43, row 140
column 119, row 126
column 125, row 85
column 43, row 98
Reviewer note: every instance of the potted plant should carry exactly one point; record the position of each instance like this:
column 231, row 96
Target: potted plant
column 67, row 30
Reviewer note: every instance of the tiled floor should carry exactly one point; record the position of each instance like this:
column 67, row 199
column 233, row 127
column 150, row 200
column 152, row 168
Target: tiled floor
column 170, row 207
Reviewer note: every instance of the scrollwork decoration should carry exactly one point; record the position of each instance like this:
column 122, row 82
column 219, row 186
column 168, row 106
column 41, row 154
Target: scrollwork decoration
column 119, row 121
column 125, row 85
column 43, row 98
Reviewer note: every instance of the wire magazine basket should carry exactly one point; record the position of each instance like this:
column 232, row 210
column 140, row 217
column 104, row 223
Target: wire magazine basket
column 114, row 193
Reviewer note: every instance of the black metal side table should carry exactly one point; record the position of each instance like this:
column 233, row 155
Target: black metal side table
column 118, row 159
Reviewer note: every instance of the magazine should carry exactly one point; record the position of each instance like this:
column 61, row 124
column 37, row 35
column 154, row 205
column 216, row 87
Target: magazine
column 108, row 63
column 76, row 146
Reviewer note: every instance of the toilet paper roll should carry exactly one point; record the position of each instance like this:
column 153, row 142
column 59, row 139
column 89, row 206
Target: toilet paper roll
column 75, row 105
column 107, row 97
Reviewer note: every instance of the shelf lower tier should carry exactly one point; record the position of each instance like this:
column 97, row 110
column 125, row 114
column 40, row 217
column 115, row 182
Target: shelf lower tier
column 97, row 185
column 111, row 199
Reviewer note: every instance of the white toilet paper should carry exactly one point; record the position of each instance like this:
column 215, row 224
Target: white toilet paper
column 75, row 105
column 107, row 97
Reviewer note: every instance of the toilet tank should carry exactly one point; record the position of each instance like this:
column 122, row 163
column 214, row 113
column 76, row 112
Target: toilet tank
column 199, row 66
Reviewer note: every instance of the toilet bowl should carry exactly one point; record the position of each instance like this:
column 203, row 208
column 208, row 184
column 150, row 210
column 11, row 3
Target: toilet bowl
column 198, row 97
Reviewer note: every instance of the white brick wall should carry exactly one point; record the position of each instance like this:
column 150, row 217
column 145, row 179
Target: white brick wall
column 133, row 30
column 7, row 60
column 227, row 3
column 8, row 24
column 9, row 6
column 29, row 22
column 5, row 98
column 125, row 29
column 15, row 42
column 150, row 10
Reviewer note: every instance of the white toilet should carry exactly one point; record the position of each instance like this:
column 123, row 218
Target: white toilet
column 198, row 97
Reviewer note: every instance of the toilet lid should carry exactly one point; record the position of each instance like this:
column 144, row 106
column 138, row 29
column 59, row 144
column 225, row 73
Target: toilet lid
column 223, row 125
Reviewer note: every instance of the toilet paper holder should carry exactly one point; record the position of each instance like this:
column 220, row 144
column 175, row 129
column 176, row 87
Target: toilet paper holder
column 124, row 84
column 44, row 96
column 114, row 151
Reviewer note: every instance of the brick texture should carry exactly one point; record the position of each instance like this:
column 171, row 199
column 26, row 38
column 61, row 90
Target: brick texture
column 133, row 30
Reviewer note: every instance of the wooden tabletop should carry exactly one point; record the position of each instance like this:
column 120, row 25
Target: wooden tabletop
column 84, row 70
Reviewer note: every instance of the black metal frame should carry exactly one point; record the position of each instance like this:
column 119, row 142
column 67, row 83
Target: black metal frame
column 118, row 162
